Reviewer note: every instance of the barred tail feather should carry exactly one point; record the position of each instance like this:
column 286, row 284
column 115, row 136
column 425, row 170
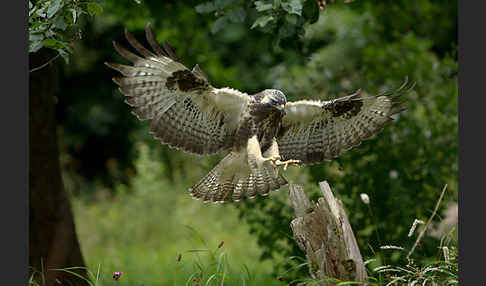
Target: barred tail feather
column 232, row 179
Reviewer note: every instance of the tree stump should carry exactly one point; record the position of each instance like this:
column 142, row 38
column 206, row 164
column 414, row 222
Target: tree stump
column 323, row 232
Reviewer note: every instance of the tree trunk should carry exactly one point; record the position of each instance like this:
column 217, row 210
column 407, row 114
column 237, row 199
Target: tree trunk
column 53, row 242
column 323, row 231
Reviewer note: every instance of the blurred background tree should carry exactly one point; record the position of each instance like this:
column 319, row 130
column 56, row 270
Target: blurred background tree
column 53, row 242
column 307, row 53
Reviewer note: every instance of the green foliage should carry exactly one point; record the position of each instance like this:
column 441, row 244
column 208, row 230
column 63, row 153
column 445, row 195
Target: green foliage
column 213, row 6
column 283, row 19
column 262, row 21
column 93, row 114
column 233, row 14
column 368, row 44
column 438, row 21
column 443, row 270
column 401, row 168
column 142, row 230
column 292, row 7
column 91, row 279
column 51, row 23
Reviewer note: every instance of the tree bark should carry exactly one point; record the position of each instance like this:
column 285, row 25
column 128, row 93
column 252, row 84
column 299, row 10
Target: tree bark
column 53, row 242
column 323, row 232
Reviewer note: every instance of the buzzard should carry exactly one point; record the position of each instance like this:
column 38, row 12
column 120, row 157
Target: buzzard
column 261, row 131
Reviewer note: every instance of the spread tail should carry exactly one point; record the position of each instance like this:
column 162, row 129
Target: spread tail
column 232, row 179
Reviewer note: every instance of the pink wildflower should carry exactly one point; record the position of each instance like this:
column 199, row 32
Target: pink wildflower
column 117, row 275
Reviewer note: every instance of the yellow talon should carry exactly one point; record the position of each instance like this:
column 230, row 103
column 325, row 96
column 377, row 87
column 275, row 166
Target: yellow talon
column 273, row 159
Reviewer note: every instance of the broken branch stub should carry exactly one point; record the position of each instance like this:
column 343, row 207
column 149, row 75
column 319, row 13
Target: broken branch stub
column 323, row 232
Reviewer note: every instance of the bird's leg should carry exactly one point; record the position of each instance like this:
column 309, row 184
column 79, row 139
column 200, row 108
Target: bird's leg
column 274, row 159
column 288, row 163
column 274, row 156
column 271, row 154
column 255, row 157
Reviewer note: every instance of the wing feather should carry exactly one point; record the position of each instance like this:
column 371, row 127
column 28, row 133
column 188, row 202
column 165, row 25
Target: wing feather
column 186, row 112
column 313, row 131
column 152, row 42
column 139, row 47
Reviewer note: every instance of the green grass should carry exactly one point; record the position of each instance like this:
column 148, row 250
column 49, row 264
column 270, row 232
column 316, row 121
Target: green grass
column 147, row 225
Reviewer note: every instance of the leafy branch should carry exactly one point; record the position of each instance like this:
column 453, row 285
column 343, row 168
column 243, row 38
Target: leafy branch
column 52, row 22
column 43, row 65
column 284, row 18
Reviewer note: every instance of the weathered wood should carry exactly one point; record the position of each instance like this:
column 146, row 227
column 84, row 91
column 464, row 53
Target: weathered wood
column 299, row 201
column 323, row 231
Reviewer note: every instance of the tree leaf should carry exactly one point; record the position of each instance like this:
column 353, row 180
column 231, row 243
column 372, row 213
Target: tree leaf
column 32, row 11
column 262, row 21
column 35, row 45
column 36, row 37
column 212, row 6
column 51, row 43
column 59, row 23
column 221, row 4
column 291, row 19
column 56, row 44
column 38, row 27
column 74, row 13
column 64, row 54
column 293, row 7
column 53, row 8
column 262, row 6
column 51, row 32
column 311, row 11
column 206, row 7
column 286, row 30
column 41, row 12
column 237, row 15
column 219, row 24
column 94, row 8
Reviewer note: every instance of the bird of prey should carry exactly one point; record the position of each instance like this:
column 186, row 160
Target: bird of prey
column 261, row 131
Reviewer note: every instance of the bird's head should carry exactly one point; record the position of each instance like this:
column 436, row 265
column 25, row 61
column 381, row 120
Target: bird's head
column 274, row 98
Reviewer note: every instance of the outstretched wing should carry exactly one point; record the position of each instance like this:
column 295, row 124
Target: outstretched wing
column 313, row 131
column 186, row 112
